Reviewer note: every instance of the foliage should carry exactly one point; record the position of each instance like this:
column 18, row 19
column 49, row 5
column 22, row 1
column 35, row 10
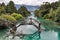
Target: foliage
column 10, row 8
column 2, row 9
column 44, row 9
column 50, row 15
column 23, row 10
column 8, row 17
column 58, row 14
column 11, row 14
column 38, row 13
column 7, row 20
column 49, row 11
column 17, row 16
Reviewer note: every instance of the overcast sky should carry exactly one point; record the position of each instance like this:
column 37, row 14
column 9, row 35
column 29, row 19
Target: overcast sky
column 28, row 2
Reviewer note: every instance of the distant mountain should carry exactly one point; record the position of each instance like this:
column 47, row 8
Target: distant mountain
column 29, row 7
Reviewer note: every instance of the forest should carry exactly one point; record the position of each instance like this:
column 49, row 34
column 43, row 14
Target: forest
column 9, row 14
column 49, row 11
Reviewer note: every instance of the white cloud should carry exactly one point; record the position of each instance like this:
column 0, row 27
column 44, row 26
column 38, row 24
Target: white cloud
column 28, row 2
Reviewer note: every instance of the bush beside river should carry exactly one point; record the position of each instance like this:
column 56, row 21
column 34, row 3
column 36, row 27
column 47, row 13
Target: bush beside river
column 49, row 11
column 9, row 14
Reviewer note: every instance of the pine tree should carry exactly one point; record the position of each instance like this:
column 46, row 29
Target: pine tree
column 23, row 10
column 10, row 8
column 2, row 8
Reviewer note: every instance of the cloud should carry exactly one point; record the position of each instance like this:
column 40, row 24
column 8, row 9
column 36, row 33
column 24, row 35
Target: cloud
column 5, row 1
column 28, row 2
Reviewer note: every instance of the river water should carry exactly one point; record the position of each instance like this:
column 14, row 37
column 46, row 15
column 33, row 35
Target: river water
column 35, row 35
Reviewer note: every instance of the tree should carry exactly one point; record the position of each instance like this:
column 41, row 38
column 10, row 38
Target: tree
column 43, row 10
column 17, row 16
column 57, row 3
column 2, row 8
column 51, row 14
column 8, row 17
column 38, row 13
column 10, row 8
column 49, row 11
column 3, row 4
column 57, row 15
column 23, row 10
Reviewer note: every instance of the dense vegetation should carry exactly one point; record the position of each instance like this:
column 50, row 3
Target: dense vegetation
column 22, row 10
column 11, row 14
column 10, row 8
column 50, row 11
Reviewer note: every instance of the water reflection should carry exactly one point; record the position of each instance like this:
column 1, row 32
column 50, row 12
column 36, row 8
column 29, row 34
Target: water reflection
column 58, row 35
column 44, row 35
column 2, row 34
column 34, row 36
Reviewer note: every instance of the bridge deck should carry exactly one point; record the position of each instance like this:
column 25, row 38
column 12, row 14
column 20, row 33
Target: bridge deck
column 25, row 22
column 33, row 22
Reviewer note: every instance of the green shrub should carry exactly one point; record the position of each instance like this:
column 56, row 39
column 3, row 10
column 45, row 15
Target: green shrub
column 17, row 16
column 8, row 17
